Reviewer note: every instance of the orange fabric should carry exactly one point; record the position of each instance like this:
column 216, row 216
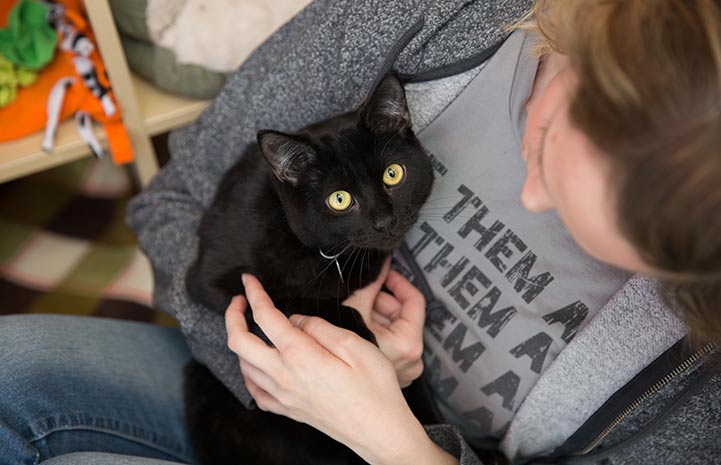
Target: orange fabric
column 119, row 142
column 28, row 113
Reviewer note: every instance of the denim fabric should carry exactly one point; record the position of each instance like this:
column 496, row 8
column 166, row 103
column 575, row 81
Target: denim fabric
column 77, row 384
column 100, row 458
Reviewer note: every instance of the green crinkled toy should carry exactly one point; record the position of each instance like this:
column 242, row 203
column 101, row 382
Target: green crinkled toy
column 28, row 40
column 10, row 78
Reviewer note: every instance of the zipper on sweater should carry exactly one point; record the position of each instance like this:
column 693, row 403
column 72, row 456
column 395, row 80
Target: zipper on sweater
column 685, row 365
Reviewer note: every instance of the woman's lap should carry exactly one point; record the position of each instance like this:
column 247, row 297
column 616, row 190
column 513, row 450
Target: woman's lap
column 72, row 384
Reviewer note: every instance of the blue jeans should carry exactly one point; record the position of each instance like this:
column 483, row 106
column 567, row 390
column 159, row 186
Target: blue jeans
column 78, row 390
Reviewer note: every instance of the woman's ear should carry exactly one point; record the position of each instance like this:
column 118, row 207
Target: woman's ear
column 288, row 156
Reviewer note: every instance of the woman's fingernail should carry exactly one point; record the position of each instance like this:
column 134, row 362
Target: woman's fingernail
column 296, row 319
column 243, row 278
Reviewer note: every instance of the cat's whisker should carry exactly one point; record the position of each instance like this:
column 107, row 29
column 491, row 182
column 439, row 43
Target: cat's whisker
column 340, row 243
column 312, row 279
column 463, row 216
column 431, row 215
column 435, row 208
column 320, row 287
column 340, row 269
column 442, row 210
column 438, row 199
column 305, row 286
column 347, row 282
column 435, row 202
column 360, row 272
column 361, row 253
column 345, row 264
column 443, row 220
column 337, row 296
column 352, row 266
column 368, row 265
column 433, row 220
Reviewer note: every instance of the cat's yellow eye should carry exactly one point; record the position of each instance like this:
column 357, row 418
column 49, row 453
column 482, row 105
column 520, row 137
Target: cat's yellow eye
column 393, row 174
column 339, row 200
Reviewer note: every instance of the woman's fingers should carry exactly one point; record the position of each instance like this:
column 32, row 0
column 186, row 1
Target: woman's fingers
column 235, row 314
column 379, row 322
column 257, row 376
column 272, row 321
column 376, row 285
column 413, row 302
column 362, row 299
column 387, row 305
column 265, row 401
column 403, row 289
column 339, row 342
column 385, row 269
column 245, row 344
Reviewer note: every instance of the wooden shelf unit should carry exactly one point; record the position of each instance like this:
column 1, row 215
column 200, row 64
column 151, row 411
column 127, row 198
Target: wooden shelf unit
column 147, row 111
column 160, row 111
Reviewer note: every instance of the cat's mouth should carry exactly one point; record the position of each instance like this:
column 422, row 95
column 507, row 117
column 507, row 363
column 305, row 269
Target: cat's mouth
column 386, row 244
column 386, row 241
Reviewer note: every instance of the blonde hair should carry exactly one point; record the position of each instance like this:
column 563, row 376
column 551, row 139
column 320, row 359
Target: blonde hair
column 649, row 98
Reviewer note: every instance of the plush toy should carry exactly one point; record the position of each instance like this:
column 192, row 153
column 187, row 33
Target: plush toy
column 74, row 83
column 28, row 40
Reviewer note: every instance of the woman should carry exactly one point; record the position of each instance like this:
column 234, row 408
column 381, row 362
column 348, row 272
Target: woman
column 619, row 139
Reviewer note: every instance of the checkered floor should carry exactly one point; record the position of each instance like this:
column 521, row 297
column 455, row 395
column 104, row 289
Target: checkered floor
column 65, row 248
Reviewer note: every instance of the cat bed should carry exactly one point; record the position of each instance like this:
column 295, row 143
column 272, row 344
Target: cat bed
column 190, row 47
column 158, row 64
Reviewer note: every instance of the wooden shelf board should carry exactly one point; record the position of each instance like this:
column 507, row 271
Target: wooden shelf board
column 25, row 156
column 161, row 112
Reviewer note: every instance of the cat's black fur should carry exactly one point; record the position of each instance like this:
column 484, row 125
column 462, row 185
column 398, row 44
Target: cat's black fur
column 270, row 217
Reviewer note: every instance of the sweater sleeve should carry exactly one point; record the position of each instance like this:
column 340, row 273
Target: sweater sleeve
column 323, row 62
column 449, row 439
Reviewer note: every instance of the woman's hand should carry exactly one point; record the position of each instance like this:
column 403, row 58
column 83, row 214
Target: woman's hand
column 327, row 377
column 395, row 319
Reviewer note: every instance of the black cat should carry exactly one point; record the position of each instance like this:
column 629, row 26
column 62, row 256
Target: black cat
column 313, row 215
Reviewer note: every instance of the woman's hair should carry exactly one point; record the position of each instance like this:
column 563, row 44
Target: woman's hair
column 649, row 98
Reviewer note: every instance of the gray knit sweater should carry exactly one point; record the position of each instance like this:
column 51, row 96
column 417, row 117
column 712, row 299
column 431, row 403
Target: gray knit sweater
column 324, row 62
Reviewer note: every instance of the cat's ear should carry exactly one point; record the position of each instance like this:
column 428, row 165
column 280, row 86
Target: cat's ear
column 287, row 156
column 387, row 109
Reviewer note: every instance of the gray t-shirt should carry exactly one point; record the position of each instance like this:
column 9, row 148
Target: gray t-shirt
column 511, row 288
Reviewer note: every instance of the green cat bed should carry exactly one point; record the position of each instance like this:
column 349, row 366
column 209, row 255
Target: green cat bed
column 158, row 64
